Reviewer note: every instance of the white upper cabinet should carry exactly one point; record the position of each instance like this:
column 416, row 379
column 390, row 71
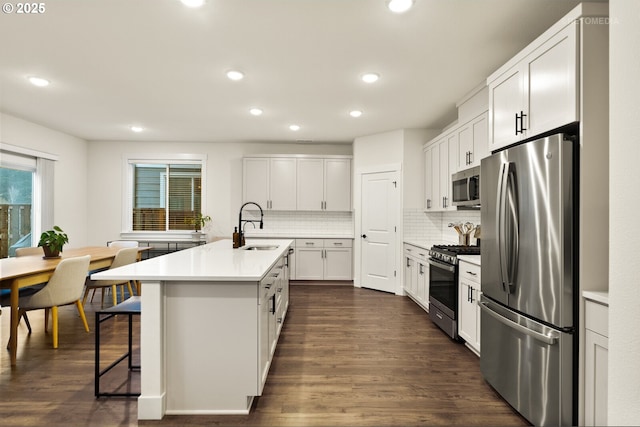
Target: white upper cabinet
column 553, row 78
column 432, row 177
column 448, row 166
column 255, row 181
column 324, row 184
column 270, row 182
column 337, row 184
column 473, row 142
column 282, row 184
column 536, row 93
column 428, row 179
column 506, row 103
column 441, row 157
column 298, row 183
column 310, row 184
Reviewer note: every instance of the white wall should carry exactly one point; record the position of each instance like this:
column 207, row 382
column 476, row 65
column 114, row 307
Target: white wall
column 223, row 186
column 70, row 186
column 380, row 149
column 624, row 255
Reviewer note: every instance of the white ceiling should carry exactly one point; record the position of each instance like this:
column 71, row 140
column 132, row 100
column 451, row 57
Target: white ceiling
column 158, row 64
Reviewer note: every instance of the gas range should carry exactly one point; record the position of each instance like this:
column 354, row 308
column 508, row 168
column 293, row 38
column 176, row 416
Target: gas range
column 443, row 285
column 449, row 253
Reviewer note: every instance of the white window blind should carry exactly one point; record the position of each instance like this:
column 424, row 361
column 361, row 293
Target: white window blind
column 165, row 195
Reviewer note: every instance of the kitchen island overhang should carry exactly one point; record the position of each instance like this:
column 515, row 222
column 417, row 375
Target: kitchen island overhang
column 210, row 322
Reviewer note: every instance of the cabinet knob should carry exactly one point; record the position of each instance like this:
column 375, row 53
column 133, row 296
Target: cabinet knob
column 364, row 236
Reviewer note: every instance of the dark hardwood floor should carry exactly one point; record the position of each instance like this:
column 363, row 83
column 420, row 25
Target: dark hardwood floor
column 346, row 356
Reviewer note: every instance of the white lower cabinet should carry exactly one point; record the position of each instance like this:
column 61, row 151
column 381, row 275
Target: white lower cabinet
column 469, row 292
column 596, row 359
column 416, row 274
column 324, row 259
column 309, row 259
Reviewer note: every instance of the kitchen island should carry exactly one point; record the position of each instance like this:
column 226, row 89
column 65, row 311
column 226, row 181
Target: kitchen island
column 210, row 321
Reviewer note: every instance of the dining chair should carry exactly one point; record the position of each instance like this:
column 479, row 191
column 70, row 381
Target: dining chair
column 35, row 250
column 125, row 244
column 63, row 288
column 123, row 257
column 119, row 244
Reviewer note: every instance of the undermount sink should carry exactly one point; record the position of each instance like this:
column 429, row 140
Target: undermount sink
column 260, row 247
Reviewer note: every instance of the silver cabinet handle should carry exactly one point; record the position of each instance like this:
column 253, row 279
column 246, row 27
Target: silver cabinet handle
column 428, row 203
column 421, row 271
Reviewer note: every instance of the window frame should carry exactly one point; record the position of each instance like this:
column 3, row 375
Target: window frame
column 129, row 161
column 41, row 164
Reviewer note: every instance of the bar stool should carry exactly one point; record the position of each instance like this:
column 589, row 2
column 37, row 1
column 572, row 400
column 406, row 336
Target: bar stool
column 129, row 307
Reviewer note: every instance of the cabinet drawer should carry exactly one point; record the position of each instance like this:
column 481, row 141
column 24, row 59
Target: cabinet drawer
column 416, row 252
column 338, row 243
column 469, row 272
column 309, row 243
column 596, row 318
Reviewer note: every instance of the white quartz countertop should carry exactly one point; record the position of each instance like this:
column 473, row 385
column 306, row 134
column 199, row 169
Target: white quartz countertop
column 472, row 259
column 296, row 235
column 216, row 261
column 598, row 296
column 419, row 243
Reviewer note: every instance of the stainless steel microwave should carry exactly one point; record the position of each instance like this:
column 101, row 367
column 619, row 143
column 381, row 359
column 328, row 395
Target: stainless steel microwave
column 466, row 187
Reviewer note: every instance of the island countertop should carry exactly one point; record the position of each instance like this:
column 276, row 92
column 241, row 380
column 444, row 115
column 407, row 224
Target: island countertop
column 216, row 261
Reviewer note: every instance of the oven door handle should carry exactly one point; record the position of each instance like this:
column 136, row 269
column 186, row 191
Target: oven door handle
column 442, row 266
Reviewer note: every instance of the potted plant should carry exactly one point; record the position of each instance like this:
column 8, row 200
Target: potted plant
column 198, row 222
column 52, row 242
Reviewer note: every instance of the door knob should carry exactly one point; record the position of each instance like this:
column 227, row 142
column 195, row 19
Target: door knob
column 364, row 236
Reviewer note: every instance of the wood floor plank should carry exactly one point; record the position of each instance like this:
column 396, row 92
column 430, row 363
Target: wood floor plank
column 346, row 356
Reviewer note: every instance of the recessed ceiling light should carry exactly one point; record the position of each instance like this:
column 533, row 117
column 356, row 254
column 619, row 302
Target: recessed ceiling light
column 399, row 6
column 294, row 128
column 39, row 81
column 256, row 111
column 370, row 77
column 192, row 3
column 235, row 75
column 355, row 113
column 136, row 129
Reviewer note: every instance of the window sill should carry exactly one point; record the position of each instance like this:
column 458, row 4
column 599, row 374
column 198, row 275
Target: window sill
column 160, row 236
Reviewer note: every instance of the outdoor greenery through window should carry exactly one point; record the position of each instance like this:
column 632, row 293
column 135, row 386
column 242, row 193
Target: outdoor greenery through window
column 165, row 196
column 16, row 190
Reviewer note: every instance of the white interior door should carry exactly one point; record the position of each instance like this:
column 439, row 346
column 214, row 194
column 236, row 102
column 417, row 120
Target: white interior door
column 380, row 202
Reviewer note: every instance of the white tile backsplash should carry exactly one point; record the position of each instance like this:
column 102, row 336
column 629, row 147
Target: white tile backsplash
column 330, row 223
column 433, row 226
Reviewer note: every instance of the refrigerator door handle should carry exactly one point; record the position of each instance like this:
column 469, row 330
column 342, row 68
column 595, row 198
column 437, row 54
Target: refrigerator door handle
column 507, row 221
column 550, row 339
column 501, row 227
column 513, row 235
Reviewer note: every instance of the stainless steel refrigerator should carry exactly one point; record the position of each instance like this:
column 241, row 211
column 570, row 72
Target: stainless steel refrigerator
column 529, row 278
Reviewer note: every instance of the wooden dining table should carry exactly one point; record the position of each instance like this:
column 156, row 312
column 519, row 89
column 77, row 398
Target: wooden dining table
column 20, row 272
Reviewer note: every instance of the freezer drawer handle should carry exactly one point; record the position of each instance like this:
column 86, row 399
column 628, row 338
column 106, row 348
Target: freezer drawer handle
column 548, row 339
